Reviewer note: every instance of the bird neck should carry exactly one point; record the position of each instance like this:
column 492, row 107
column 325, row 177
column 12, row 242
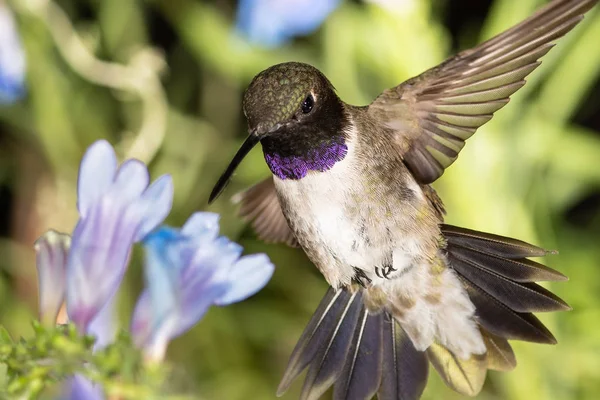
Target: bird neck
column 294, row 162
column 314, row 145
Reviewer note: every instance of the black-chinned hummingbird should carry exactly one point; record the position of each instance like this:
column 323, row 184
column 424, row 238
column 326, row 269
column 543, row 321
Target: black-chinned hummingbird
column 351, row 186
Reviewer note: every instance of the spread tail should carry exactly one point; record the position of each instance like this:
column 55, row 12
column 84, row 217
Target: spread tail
column 364, row 353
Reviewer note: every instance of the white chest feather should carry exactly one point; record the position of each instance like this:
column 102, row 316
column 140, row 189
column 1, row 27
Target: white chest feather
column 320, row 200
column 345, row 223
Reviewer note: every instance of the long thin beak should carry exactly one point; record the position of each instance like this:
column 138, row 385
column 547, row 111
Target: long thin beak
column 250, row 142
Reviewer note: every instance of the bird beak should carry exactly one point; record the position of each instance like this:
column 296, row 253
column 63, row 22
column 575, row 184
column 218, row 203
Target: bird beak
column 250, row 142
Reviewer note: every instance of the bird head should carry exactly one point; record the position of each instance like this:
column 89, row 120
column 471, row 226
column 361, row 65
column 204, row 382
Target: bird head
column 283, row 105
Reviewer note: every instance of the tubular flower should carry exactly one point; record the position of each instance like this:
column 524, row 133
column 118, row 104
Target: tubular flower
column 187, row 271
column 117, row 208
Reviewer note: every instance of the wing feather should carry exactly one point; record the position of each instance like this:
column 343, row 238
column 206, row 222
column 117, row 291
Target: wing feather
column 433, row 114
column 260, row 206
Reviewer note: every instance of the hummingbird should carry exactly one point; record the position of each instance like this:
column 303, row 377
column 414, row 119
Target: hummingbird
column 351, row 186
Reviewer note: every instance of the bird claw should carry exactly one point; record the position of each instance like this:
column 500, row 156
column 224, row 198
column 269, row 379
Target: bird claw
column 384, row 271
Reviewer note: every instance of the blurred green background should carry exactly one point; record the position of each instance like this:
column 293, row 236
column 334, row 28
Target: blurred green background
column 162, row 80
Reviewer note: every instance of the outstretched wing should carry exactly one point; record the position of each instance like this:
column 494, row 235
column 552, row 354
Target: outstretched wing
column 260, row 206
column 434, row 113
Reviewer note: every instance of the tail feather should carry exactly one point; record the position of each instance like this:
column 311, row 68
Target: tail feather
column 362, row 352
column 500, row 320
column 516, row 269
column 519, row 296
column 361, row 375
column 329, row 360
column 317, row 332
column 487, row 265
column 500, row 356
column 464, row 376
column 405, row 369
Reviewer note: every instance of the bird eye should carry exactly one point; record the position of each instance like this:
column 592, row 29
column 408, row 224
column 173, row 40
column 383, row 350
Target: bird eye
column 307, row 104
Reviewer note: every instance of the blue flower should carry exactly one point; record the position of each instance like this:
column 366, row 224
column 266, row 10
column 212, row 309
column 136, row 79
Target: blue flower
column 271, row 23
column 12, row 59
column 187, row 271
column 117, row 208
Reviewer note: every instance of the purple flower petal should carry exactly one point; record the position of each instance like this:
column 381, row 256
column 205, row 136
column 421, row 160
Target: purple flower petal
column 51, row 250
column 150, row 329
column 246, row 277
column 157, row 310
column 97, row 260
column 156, row 203
column 202, row 223
column 194, row 306
column 216, row 256
column 162, row 276
column 80, row 388
column 96, row 174
column 103, row 327
column 130, row 181
column 141, row 320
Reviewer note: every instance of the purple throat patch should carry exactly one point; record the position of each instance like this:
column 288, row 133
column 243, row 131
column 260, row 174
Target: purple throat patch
column 320, row 159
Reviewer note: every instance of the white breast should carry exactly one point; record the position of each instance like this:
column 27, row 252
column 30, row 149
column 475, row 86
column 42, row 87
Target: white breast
column 348, row 228
column 318, row 202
